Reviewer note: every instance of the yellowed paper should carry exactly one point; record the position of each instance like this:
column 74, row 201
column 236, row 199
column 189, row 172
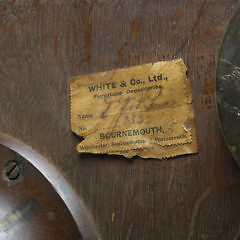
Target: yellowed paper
column 144, row 110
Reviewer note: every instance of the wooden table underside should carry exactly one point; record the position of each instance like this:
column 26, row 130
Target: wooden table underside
column 45, row 42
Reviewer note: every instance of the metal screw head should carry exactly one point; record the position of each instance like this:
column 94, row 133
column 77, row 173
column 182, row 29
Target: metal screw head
column 12, row 171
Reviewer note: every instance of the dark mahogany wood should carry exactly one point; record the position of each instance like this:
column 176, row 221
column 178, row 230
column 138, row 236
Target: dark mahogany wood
column 45, row 42
column 30, row 207
column 37, row 181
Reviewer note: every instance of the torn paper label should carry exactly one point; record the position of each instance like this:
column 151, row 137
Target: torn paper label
column 144, row 110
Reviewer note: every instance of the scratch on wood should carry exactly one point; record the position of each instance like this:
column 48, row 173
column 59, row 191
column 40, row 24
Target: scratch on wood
column 176, row 17
column 7, row 17
column 237, row 236
column 208, row 88
column 136, row 24
column 135, row 27
column 129, row 232
column 3, row 72
column 211, row 31
column 144, row 2
column 196, row 208
column 202, row 11
column 88, row 35
column 171, row 175
column 56, row 42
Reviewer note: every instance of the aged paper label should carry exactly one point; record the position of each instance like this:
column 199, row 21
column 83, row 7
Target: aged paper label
column 144, row 110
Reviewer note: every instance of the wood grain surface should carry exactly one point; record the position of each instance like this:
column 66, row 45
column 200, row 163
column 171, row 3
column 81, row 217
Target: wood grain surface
column 45, row 42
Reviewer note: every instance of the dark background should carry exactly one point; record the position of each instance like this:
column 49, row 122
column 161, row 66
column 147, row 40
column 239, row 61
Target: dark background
column 44, row 43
